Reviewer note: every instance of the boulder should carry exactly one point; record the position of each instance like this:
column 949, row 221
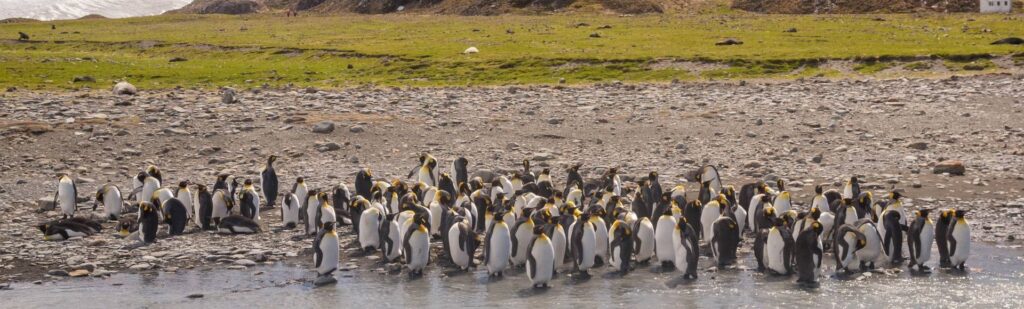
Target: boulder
column 323, row 127
column 953, row 167
column 124, row 88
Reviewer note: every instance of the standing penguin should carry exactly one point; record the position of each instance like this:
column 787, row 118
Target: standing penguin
column 848, row 241
column 183, row 194
column 959, row 239
column 920, row 239
column 300, row 190
column 426, row 172
column 942, row 236
column 110, row 196
column 712, row 210
column 326, row 251
column 873, row 248
column 687, row 252
column 559, row 242
column 175, row 215
column 325, row 213
column 221, row 206
column 522, row 236
column 416, row 244
column 390, row 245
column 583, row 243
column 369, row 221
column 497, row 246
column 268, row 179
column 311, row 208
column 149, row 186
column 620, row 246
column 664, row 246
column 149, row 222
column 250, row 201
column 601, row 236
column 66, row 195
column 290, row 211
column 892, row 236
column 779, row 249
column 645, row 240
column 463, row 244
column 459, row 168
column 540, row 261
column 204, row 208
column 808, row 254
column 364, row 183
column 341, row 199
column 725, row 240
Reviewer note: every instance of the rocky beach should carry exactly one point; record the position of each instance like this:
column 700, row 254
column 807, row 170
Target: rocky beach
column 954, row 142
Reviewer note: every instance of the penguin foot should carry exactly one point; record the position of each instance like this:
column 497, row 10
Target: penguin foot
column 690, row 276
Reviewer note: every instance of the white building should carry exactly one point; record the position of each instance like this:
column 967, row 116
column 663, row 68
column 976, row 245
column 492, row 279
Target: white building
column 996, row 6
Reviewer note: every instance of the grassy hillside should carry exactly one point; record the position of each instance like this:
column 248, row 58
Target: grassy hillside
column 341, row 51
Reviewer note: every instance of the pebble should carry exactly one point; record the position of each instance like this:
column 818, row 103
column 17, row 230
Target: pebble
column 323, row 127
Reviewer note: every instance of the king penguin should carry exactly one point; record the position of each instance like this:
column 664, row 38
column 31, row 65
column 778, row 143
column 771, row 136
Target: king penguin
column 779, row 249
column 959, row 239
column 250, row 201
column 149, row 222
column 725, row 239
column 920, row 239
column 583, row 243
column 268, row 179
column 390, row 246
column 183, row 194
column 540, row 261
column 808, row 254
column 848, row 241
column 942, row 236
column 664, row 247
column 66, row 195
column 620, row 246
column 204, row 208
column 110, row 196
column 312, row 208
column 522, row 236
column 645, row 240
column 300, row 190
column 459, row 168
column 686, row 250
column 873, row 248
column 290, row 211
column 497, row 246
column 149, row 186
column 175, row 215
column 370, row 221
column 416, row 245
column 326, row 251
column 463, row 244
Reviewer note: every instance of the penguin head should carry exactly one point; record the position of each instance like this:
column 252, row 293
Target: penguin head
column 100, row 193
column 444, row 197
column 546, row 171
column 895, row 195
column 696, row 204
column 729, row 191
column 780, row 184
column 817, row 228
column 464, row 187
column 853, row 180
column 421, row 220
column 141, row 176
column 201, row 188
column 299, row 180
column 575, row 168
column 960, row 214
column 923, row 213
column 153, row 171
column 762, row 187
column 61, row 176
column 183, row 184
column 248, row 183
column 722, row 201
column 652, row 176
column 766, row 198
column 329, row 228
column 43, row 227
column 769, row 211
column 818, row 190
column 124, row 228
column 526, row 164
column 814, row 213
column 539, row 229
column 271, row 159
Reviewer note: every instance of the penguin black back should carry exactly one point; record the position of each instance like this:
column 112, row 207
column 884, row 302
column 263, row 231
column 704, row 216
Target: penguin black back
column 269, row 182
column 942, row 228
column 175, row 215
column 205, row 212
column 892, row 241
column 248, row 205
column 461, row 166
column 149, row 222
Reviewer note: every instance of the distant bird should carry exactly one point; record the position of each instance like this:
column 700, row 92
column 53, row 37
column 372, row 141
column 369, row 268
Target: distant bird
column 22, row 36
column 53, row 27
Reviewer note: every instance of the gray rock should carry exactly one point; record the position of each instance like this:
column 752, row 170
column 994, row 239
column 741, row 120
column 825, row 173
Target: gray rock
column 356, row 129
column 245, row 262
column 194, row 296
column 124, row 88
column 556, row 120
column 83, row 79
column 325, row 147
column 323, row 127
column 46, row 203
column 57, row 273
column 918, row 145
column 485, row 174
column 324, row 280
column 228, row 96
column 131, row 152
column 953, row 167
column 542, row 156
column 206, row 151
column 141, row 266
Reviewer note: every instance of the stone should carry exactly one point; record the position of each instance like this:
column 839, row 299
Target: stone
column 323, row 127
column 953, row 167
column 729, row 41
column 124, row 88
column 83, row 79
column 131, row 152
column 228, row 96
column 751, row 164
column 471, row 50
column 325, row 147
column 194, row 296
column 80, row 273
column 45, row 203
column 141, row 266
column 356, row 129
column 324, row 280
column 918, row 145
column 178, row 59
column 542, row 156
column 245, row 262
column 86, row 266
column 556, row 121
column 57, row 273
column 206, row 151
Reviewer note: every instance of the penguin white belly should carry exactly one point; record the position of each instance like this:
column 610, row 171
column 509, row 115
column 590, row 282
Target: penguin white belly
column 927, row 239
column 848, row 257
column 510, row 219
column 500, row 249
column 369, row 225
column 291, row 213
column 646, row 236
column 186, row 200
column 327, row 214
column 419, row 244
column 301, row 194
column 680, row 253
column 66, row 197
column 544, row 256
column 404, row 222
column 220, row 206
column 873, row 247
column 330, row 249
column 256, row 201
column 589, row 244
column 601, row 238
column 962, row 234
column 663, row 238
column 435, row 218
column 827, row 220
column 851, row 216
column 524, row 236
column 751, row 213
column 707, row 220
column 774, row 253
column 112, row 203
column 741, row 219
column 559, row 243
column 148, row 189
column 459, row 256
column 312, row 205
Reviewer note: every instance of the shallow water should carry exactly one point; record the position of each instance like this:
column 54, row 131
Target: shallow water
column 995, row 279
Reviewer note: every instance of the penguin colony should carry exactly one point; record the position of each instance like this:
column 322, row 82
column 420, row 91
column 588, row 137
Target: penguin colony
column 522, row 220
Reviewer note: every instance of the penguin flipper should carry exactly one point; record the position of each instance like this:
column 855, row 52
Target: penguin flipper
column 952, row 243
